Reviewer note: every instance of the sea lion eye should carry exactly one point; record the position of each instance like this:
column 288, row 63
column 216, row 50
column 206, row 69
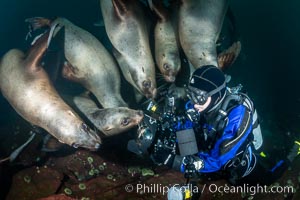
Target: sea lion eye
column 85, row 127
column 166, row 66
column 75, row 145
column 146, row 84
column 125, row 121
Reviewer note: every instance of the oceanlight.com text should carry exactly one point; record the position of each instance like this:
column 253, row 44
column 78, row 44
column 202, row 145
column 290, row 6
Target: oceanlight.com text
column 212, row 188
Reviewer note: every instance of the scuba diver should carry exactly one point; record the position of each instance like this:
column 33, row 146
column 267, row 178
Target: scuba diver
column 217, row 134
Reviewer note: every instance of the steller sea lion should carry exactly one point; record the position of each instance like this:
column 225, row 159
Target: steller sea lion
column 110, row 121
column 26, row 86
column 199, row 25
column 126, row 28
column 89, row 63
column 166, row 47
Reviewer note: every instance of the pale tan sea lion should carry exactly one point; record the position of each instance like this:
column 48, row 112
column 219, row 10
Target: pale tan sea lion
column 166, row 47
column 110, row 121
column 126, row 28
column 26, row 86
column 200, row 23
column 89, row 63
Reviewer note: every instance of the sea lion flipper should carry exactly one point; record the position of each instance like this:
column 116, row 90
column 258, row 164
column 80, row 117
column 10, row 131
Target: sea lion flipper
column 51, row 32
column 17, row 151
column 55, row 56
column 38, row 22
column 228, row 56
column 51, row 144
column 69, row 71
column 38, row 49
column 120, row 9
column 158, row 7
column 36, row 52
column 150, row 4
column 85, row 94
column 56, row 42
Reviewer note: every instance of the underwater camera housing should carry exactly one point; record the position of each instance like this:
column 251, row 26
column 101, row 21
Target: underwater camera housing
column 159, row 134
column 159, row 116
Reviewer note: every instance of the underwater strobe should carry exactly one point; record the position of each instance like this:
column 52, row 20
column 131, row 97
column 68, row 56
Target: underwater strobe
column 183, row 192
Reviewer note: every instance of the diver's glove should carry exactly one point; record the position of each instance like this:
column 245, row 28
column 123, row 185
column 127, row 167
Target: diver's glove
column 189, row 165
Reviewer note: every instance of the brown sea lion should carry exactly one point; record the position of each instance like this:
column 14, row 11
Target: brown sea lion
column 110, row 121
column 199, row 24
column 126, row 28
column 26, row 86
column 166, row 47
column 89, row 63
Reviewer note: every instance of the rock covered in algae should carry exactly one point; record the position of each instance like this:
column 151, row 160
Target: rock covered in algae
column 58, row 197
column 29, row 184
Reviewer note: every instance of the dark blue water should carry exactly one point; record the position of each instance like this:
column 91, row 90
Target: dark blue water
column 269, row 64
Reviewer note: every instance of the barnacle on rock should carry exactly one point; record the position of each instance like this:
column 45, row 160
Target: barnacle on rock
column 109, row 176
column 27, row 179
column 82, row 186
column 90, row 160
column 68, row 191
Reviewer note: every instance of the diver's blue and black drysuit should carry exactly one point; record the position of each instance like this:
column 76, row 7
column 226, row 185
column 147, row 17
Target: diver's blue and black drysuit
column 236, row 142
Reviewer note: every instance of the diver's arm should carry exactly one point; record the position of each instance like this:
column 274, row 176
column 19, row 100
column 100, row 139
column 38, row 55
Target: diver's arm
column 234, row 135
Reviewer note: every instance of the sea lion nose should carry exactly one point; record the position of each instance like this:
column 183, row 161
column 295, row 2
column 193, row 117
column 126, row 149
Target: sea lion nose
column 147, row 84
column 171, row 78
